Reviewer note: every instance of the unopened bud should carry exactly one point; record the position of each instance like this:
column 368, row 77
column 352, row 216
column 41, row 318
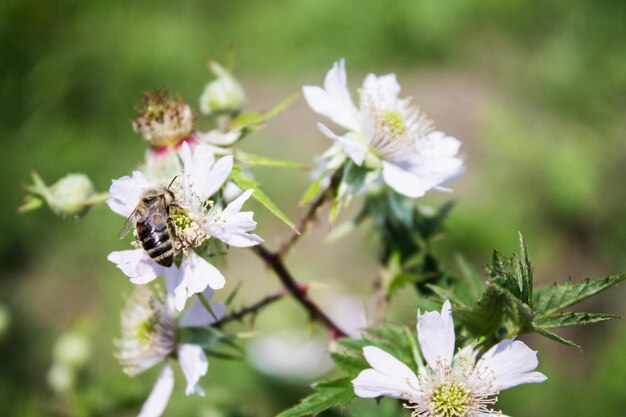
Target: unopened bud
column 163, row 120
column 224, row 95
column 69, row 195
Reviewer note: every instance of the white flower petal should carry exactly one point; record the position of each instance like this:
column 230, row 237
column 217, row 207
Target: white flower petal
column 125, row 193
column 196, row 275
column 137, row 265
column 232, row 226
column 157, row 400
column 511, row 363
column 385, row 88
column 334, row 101
column 387, row 364
column 194, row 364
column 218, row 175
column 435, row 332
column 351, row 147
column 399, row 177
column 371, row 384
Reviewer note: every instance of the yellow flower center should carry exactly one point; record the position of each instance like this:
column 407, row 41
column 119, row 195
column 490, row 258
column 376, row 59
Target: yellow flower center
column 450, row 400
column 393, row 122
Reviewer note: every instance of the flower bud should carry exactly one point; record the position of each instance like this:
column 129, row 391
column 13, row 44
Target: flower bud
column 163, row 120
column 223, row 95
column 69, row 195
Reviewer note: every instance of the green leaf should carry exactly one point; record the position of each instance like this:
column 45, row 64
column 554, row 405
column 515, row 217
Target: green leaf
column 553, row 336
column 205, row 337
column 244, row 181
column 246, row 119
column 250, row 120
column 550, row 321
column 560, row 296
column 349, row 363
column 232, row 295
column 312, row 191
column 447, row 294
column 261, row 161
column 485, row 316
column 524, row 273
column 333, row 393
column 400, row 280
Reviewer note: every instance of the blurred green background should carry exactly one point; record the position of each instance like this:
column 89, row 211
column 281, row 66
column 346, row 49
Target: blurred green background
column 536, row 91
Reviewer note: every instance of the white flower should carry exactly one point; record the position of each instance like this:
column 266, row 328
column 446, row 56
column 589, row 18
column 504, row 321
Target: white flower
column 386, row 133
column 195, row 220
column 450, row 385
column 149, row 336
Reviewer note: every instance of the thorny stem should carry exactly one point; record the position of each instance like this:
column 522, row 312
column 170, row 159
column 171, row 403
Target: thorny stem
column 251, row 309
column 298, row 291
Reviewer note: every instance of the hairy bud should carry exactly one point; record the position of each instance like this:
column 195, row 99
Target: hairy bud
column 224, row 95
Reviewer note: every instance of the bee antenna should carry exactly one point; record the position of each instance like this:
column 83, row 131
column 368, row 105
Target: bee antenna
column 173, row 179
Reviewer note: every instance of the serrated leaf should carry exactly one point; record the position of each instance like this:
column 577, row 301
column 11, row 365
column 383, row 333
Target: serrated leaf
column 328, row 394
column 560, row 296
column 246, row 183
column 262, row 161
column 349, row 363
column 550, row 321
column 485, row 315
column 553, row 336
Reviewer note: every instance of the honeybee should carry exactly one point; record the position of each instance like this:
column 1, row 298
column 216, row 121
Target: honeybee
column 155, row 228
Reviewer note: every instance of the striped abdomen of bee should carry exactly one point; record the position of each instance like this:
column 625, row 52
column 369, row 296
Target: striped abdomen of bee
column 155, row 239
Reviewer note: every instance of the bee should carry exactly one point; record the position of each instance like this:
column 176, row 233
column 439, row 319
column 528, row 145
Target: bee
column 155, row 228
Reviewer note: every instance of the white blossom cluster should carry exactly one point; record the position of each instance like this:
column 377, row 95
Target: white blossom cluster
column 183, row 198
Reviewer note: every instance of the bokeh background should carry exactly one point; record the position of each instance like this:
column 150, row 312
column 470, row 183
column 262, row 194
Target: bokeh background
column 536, row 91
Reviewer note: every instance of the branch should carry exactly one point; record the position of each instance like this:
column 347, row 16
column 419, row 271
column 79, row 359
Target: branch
column 251, row 309
column 298, row 291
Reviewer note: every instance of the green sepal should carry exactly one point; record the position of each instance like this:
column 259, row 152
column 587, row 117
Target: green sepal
column 30, row 203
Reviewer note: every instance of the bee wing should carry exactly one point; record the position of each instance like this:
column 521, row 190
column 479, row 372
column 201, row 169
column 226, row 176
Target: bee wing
column 128, row 224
